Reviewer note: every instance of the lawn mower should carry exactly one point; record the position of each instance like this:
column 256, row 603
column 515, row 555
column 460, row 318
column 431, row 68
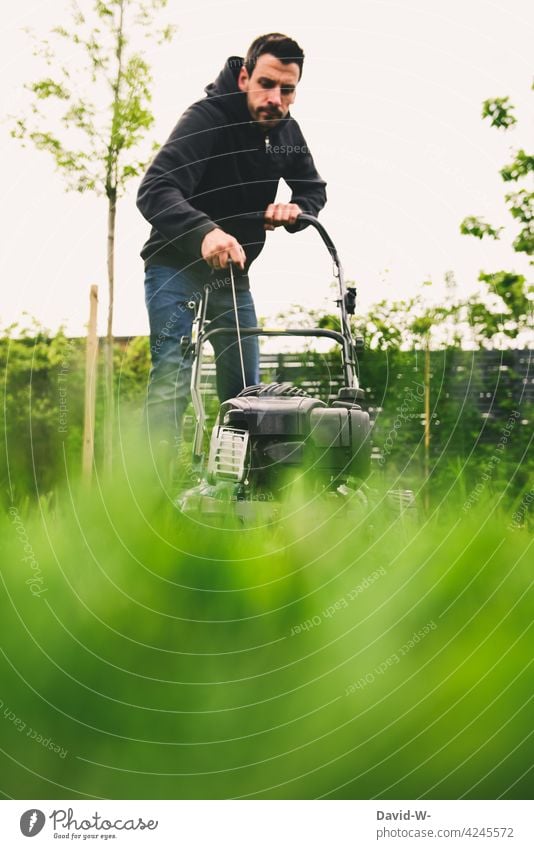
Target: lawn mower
column 273, row 434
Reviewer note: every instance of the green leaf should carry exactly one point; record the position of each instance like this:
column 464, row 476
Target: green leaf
column 103, row 9
column 473, row 226
column 520, row 166
column 167, row 33
column 49, row 88
column 500, row 112
column 512, row 290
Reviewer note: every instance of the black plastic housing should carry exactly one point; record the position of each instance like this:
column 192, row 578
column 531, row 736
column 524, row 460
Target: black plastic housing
column 299, row 431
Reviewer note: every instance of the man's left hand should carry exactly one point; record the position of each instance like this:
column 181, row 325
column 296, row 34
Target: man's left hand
column 278, row 214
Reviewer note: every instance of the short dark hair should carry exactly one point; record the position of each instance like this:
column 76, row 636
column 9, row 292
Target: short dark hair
column 278, row 45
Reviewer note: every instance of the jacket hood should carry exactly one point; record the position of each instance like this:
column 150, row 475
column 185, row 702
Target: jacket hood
column 226, row 91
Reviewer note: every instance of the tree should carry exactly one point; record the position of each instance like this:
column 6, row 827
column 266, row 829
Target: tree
column 512, row 309
column 99, row 100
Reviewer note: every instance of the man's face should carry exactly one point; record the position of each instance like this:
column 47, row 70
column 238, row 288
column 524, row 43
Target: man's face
column 270, row 89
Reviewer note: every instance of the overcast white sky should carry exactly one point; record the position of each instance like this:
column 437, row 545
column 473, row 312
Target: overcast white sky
column 390, row 104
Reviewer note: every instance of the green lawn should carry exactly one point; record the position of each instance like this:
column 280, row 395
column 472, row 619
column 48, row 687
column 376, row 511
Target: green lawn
column 332, row 655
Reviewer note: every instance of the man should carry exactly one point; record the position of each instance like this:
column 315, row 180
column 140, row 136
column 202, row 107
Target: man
column 224, row 158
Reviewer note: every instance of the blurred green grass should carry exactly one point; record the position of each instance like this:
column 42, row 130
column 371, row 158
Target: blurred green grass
column 174, row 660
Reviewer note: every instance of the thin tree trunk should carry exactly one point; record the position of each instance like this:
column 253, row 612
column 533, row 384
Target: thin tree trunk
column 110, row 405
column 111, row 192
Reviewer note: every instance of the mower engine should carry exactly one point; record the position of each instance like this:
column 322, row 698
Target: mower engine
column 270, row 429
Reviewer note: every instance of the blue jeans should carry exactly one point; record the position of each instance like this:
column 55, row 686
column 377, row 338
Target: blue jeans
column 171, row 298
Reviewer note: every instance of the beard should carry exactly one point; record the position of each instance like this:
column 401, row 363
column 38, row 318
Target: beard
column 268, row 117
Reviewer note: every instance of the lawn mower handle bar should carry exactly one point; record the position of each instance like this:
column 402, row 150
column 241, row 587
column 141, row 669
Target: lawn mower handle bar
column 318, row 332
column 338, row 272
column 305, row 217
column 313, row 222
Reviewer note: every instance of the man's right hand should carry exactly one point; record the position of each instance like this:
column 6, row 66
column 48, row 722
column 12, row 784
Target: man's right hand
column 219, row 248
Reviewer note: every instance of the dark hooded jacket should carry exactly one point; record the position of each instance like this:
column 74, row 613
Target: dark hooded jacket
column 216, row 165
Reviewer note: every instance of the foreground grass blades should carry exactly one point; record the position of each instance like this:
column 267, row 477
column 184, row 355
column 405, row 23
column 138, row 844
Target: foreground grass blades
column 339, row 656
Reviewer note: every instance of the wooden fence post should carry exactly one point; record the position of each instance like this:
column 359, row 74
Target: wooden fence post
column 91, row 365
column 427, row 423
